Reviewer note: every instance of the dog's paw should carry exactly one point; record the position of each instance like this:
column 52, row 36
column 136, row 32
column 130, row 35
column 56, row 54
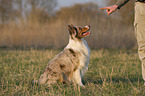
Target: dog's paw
column 83, row 86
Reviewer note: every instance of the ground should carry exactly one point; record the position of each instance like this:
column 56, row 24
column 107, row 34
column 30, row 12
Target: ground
column 110, row 73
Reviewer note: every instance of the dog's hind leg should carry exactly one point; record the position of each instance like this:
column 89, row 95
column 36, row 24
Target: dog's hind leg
column 53, row 78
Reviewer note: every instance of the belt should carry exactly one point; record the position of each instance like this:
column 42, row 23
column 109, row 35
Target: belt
column 143, row 1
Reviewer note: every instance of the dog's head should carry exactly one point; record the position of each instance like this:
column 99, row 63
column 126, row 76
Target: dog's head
column 77, row 32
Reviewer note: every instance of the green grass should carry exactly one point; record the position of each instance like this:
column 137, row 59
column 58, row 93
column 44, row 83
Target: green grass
column 111, row 73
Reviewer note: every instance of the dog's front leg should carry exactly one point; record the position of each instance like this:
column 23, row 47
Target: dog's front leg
column 83, row 70
column 78, row 78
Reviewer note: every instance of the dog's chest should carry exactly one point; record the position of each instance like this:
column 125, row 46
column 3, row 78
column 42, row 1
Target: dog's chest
column 83, row 49
column 85, row 55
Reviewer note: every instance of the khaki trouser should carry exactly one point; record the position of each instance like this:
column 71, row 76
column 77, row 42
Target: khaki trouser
column 139, row 25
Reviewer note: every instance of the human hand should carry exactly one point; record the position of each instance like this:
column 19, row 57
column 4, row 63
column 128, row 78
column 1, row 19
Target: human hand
column 110, row 9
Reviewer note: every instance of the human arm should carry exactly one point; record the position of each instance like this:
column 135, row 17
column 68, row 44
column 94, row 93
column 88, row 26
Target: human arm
column 116, row 6
column 121, row 3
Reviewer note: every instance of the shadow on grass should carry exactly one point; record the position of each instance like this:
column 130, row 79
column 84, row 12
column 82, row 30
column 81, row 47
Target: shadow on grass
column 100, row 80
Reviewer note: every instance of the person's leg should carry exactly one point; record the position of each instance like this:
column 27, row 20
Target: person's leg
column 139, row 25
column 143, row 69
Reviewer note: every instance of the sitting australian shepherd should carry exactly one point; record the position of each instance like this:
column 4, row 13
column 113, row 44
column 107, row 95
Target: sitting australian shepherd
column 71, row 64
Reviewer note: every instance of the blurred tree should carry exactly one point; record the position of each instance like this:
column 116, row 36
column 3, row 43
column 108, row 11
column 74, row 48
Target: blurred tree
column 6, row 10
column 40, row 10
column 47, row 5
column 78, row 11
column 25, row 9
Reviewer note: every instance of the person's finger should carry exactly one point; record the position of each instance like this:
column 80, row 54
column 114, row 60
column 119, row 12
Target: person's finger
column 109, row 12
column 104, row 8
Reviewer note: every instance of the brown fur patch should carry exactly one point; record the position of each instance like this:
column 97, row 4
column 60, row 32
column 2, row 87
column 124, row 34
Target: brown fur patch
column 75, row 68
column 62, row 66
column 54, row 72
column 72, row 52
column 49, row 69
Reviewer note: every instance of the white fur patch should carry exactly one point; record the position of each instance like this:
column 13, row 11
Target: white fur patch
column 82, row 47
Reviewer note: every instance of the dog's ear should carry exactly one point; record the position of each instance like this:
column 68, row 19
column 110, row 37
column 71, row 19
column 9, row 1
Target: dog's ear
column 70, row 28
column 72, row 31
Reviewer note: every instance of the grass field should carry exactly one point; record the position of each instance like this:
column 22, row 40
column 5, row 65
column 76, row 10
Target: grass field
column 111, row 73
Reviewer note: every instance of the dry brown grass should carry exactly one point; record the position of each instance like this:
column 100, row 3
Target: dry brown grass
column 114, row 31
